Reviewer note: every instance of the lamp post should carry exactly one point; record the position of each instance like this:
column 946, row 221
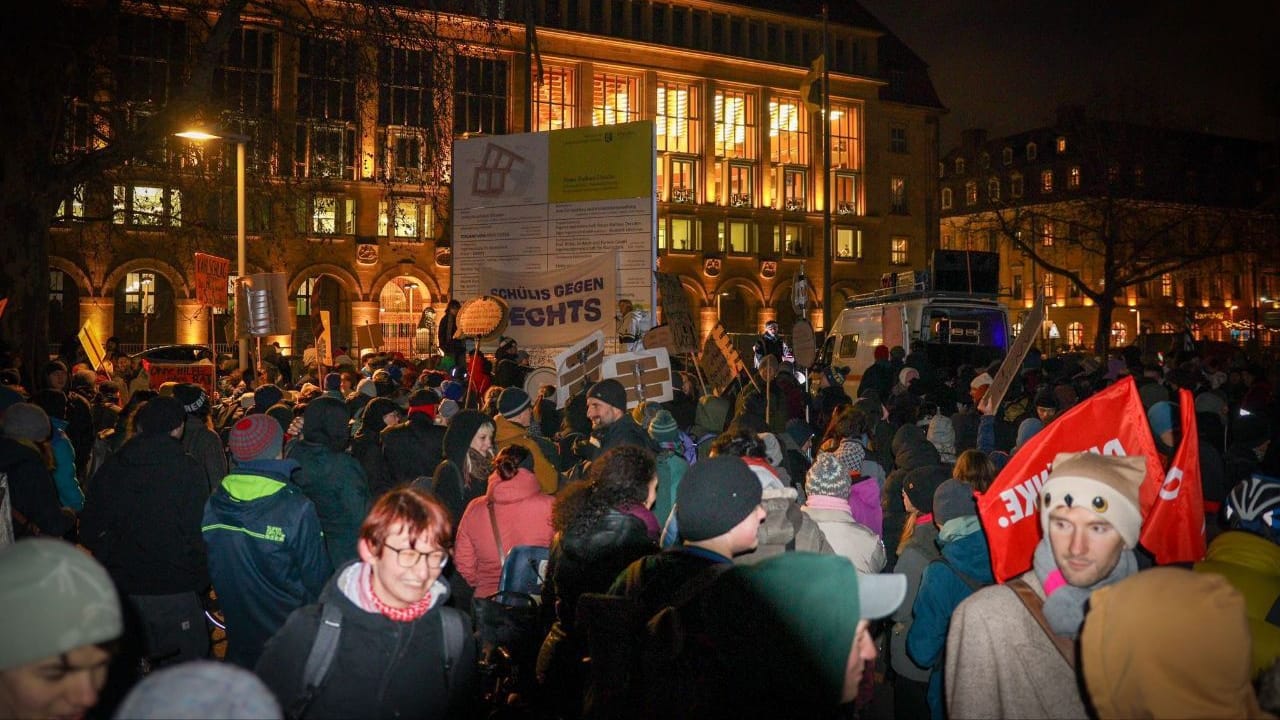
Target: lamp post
column 1138, row 327
column 199, row 135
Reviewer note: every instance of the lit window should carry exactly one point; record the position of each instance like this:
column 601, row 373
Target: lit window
column 794, row 189
column 1015, row 185
column 1073, row 177
column 326, row 215
column 682, row 236
column 846, row 154
column 146, row 206
column 302, row 299
column 1073, row 290
column 1061, row 144
column 793, row 240
column 848, row 243
column 681, row 178
column 737, row 237
column 1046, row 181
column 553, row 99
column 788, row 132
column 1075, row 334
column 614, row 99
column 898, row 195
column 897, row 139
column 405, row 154
column 971, row 193
column 1046, row 233
column 735, row 124
column 1166, row 285
column 1119, row 333
column 993, row 190
column 677, row 121
column 405, row 219
column 1048, row 287
column 72, row 208
column 1006, row 156
column 846, row 196
column 898, row 250
column 140, row 293
column 959, row 166
column 946, row 198
column 740, row 184
column 1031, row 151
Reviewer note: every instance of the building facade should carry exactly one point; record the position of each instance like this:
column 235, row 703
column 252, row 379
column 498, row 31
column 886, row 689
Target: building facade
column 1184, row 225
column 347, row 150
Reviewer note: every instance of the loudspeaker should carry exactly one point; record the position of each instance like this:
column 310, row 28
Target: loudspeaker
column 262, row 306
column 966, row 271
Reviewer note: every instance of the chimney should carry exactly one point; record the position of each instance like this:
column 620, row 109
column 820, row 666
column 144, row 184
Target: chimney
column 972, row 139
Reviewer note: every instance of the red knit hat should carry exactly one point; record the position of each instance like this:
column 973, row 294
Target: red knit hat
column 255, row 437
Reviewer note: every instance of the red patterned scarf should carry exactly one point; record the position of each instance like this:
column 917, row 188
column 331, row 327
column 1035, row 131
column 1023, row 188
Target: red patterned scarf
column 405, row 614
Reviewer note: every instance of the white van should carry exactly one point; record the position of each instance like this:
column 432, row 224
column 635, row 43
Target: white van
column 955, row 327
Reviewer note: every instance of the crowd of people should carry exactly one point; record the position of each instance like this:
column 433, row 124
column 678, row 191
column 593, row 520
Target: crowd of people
column 317, row 542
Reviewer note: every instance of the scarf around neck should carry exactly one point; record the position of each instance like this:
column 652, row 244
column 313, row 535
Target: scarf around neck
column 478, row 468
column 1064, row 607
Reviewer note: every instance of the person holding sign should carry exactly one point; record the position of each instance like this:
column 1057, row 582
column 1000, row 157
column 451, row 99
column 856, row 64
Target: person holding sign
column 1011, row 647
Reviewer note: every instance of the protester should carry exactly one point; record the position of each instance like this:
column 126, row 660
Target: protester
column 267, row 556
column 367, row 444
column 400, row 652
column 709, row 421
column 1090, row 516
column 54, row 403
column 1143, row 656
column 25, row 461
column 463, row 475
column 330, row 477
column 611, row 425
column 198, row 437
column 512, row 512
column 512, row 426
column 199, row 690
column 414, row 448
column 827, row 503
column 671, row 466
column 60, row 619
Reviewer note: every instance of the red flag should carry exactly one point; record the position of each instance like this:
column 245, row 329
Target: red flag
column 1173, row 503
column 1111, row 422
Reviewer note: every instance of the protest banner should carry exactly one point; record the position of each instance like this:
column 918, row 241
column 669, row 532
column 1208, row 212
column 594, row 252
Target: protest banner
column 369, row 337
column 555, row 307
column 1173, row 503
column 92, row 349
column 658, row 337
column 483, row 318
column 200, row 373
column 720, row 361
column 676, row 314
column 211, row 280
column 1012, row 364
column 324, row 338
column 578, row 365
column 1112, row 422
column 646, row 375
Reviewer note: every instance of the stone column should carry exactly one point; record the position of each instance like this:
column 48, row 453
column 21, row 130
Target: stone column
column 707, row 320
column 191, row 322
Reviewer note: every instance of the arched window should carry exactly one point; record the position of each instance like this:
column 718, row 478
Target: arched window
column 1119, row 334
column 1075, row 334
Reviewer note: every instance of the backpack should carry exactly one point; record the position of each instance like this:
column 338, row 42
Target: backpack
column 325, row 647
column 688, row 448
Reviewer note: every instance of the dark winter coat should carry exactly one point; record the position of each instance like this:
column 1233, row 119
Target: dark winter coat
column 331, row 478
column 205, row 446
column 911, row 449
column 413, row 448
column 32, row 490
column 367, row 449
column 266, row 553
column 623, row 432
column 880, row 376
column 142, row 517
column 450, row 482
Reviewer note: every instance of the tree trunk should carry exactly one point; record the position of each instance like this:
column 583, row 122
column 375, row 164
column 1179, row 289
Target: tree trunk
column 1102, row 340
column 24, row 256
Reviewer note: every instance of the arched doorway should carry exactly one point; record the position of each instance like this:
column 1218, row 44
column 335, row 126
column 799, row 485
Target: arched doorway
column 737, row 309
column 401, row 306
column 64, row 306
column 144, row 310
column 316, row 293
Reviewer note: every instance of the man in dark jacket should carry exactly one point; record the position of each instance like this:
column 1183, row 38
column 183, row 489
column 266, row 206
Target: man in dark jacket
column 266, row 552
column 330, row 477
column 198, row 438
column 142, row 521
column 611, row 424
column 880, row 376
column 413, row 448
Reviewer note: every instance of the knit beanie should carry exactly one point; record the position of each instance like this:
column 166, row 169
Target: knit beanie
column 193, row 398
column 1046, row 398
column 772, row 448
column 921, row 483
column 160, row 416
column 942, row 434
column 512, row 402
column 367, row 386
column 1107, row 485
column 54, row 598
column 610, row 392
column 452, row 390
column 255, row 437
column 282, row 414
column 715, row 495
column 799, row 431
column 664, row 431
column 1161, row 418
column 332, row 381
column 953, row 499
column 907, row 374
column 200, row 689
column 448, row 408
column 25, row 421
column 266, row 396
column 850, row 453
column 827, row 477
column 981, row 380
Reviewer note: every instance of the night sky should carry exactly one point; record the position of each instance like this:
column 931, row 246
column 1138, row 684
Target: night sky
column 1007, row 65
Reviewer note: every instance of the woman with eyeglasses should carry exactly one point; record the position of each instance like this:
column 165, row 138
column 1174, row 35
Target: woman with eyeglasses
column 400, row 652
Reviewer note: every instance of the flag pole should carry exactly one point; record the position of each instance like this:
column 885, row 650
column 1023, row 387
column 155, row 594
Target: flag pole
column 828, row 296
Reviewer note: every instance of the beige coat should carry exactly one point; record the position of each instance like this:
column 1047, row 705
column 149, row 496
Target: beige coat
column 850, row 538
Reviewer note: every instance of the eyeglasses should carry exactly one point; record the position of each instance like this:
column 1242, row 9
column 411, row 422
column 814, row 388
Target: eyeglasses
column 408, row 557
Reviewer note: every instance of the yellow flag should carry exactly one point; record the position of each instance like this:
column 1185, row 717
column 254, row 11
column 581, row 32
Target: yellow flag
column 811, row 86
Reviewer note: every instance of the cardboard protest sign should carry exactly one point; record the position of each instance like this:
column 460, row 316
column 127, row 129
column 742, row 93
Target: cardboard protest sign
column 578, row 365
column 720, row 361
column 324, row 338
column 557, row 306
column 369, row 336
column 676, row 314
column 803, row 343
column 1173, row 503
column 1111, row 422
column 1017, row 353
column 92, row 348
column 211, row 280
column 482, row 318
column 646, row 374
column 199, row 373
column 658, row 337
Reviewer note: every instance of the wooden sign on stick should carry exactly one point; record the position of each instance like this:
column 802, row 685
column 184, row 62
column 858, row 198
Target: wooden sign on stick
column 578, row 365
column 646, row 374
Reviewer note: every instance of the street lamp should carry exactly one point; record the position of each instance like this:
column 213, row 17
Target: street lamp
column 1139, row 319
column 200, row 134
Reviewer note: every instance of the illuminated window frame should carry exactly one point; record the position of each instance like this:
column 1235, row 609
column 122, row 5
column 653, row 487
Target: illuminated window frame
column 847, row 243
column 735, row 131
column 788, row 132
column 677, row 122
column 899, row 248
column 898, row 195
column 846, row 150
column 406, row 220
column 615, row 99
column 554, row 106
column 946, row 198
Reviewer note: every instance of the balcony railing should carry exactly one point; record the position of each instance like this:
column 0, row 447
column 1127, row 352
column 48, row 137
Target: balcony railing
column 740, row 200
column 682, row 195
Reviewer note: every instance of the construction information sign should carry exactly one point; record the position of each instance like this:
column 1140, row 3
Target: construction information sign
column 536, row 203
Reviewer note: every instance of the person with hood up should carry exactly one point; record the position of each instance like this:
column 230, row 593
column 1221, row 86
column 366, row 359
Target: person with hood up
column 1248, row 556
column 267, row 556
column 463, row 475
column 54, row 404
column 395, row 657
column 827, row 503
column 142, row 521
column 964, row 567
column 911, row 450
column 671, row 466
column 35, row 505
column 830, row 397
column 917, row 549
column 1188, row 659
column 198, row 437
column 513, row 511
column 330, row 477
column 414, row 448
column 709, row 420
column 367, row 443
column 942, row 434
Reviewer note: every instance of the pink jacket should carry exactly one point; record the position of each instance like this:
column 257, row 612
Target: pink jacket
column 524, row 518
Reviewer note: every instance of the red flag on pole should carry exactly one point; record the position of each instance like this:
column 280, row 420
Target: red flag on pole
column 1173, row 503
column 1112, row 422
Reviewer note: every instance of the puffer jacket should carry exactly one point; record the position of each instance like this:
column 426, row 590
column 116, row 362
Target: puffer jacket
column 847, row 536
column 413, row 448
column 786, row 528
column 523, row 517
column 1252, row 565
column 331, row 478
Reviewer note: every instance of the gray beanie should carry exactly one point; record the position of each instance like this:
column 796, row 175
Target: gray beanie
column 25, row 421
column 953, row 499
column 828, row 477
column 53, row 599
column 200, row 689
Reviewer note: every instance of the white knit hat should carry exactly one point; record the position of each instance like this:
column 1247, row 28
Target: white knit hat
column 1107, row 485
